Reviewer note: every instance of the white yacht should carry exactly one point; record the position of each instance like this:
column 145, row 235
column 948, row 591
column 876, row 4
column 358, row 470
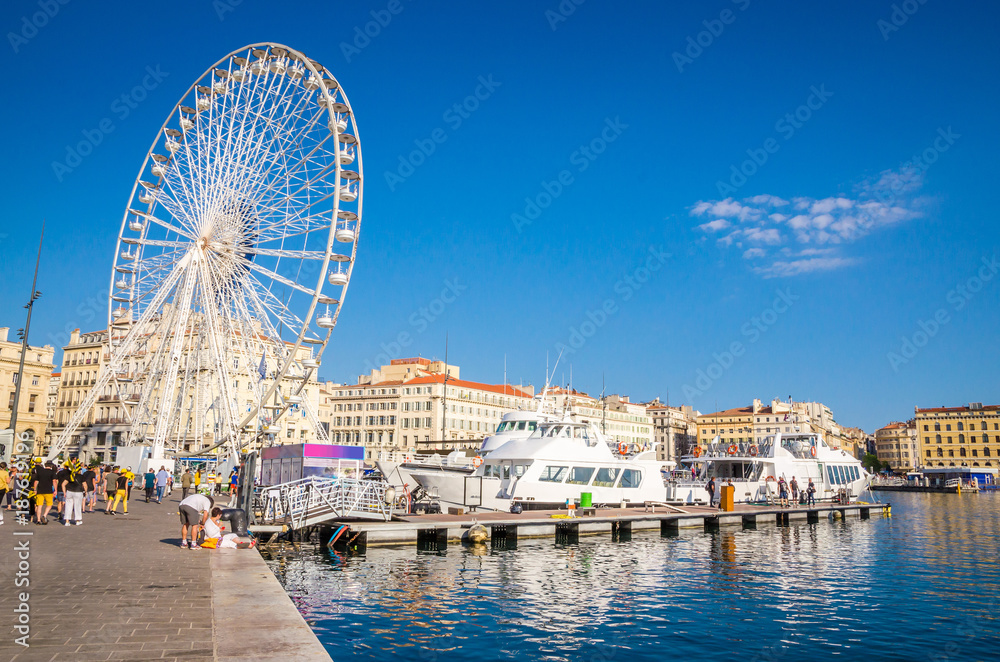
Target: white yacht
column 755, row 469
column 513, row 426
column 559, row 461
column 398, row 466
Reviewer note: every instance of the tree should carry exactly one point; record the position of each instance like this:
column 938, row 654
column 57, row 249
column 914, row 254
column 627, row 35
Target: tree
column 872, row 464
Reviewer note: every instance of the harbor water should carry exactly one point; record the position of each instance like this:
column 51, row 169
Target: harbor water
column 921, row 585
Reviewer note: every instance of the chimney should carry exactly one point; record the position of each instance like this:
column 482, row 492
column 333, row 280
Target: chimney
column 3, row 333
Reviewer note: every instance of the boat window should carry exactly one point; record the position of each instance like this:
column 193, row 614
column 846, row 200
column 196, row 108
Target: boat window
column 631, row 478
column 532, row 425
column 521, row 425
column 843, row 474
column 606, row 477
column 839, row 472
column 519, row 469
column 553, row 474
column 580, row 475
column 853, row 471
column 506, row 472
column 829, row 475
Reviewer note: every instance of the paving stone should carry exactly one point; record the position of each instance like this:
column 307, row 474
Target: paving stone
column 121, row 588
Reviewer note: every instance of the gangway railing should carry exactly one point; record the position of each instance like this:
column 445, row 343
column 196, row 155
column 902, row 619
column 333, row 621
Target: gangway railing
column 313, row 500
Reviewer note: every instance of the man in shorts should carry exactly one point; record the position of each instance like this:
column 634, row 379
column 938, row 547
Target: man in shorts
column 44, row 485
column 194, row 510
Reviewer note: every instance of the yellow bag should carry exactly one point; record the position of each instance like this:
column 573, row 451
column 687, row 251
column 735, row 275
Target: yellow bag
column 210, row 543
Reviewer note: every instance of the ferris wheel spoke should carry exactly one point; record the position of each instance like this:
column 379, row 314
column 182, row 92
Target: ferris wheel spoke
column 278, row 278
column 287, row 253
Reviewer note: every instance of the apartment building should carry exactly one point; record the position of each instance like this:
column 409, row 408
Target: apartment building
column 32, row 414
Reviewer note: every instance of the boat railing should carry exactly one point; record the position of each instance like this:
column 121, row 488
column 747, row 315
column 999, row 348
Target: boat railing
column 432, row 459
column 742, row 449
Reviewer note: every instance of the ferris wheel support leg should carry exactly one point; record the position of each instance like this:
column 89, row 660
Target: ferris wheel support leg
column 176, row 348
column 125, row 349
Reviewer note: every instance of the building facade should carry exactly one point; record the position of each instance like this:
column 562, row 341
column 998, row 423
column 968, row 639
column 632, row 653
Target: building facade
column 757, row 422
column 417, row 405
column 32, row 410
column 896, row 445
column 959, row 436
column 731, row 426
column 106, row 425
column 675, row 430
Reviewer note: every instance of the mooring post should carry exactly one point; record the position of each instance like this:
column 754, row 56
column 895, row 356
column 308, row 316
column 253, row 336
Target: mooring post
column 669, row 527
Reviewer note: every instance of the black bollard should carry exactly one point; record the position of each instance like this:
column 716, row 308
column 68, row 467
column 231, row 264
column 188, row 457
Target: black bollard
column 237, row 517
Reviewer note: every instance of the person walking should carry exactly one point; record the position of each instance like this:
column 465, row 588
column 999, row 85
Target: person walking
column 4, row 484
column 170, row 483
column 193, row 511
column 782, row 492
column 711, row 492
column 794, row 485
column 234, row 484
column 89, row 490
column 12, row 489
column 149, row 483
column 110, row 486
column 44, row 484
column 161, row 483
column 811, row 493
column 71, row 483
column 187, row 481
column 121, row 492
column 98, row 485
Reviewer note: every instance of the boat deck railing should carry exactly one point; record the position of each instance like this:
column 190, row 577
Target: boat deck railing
column 432, row 459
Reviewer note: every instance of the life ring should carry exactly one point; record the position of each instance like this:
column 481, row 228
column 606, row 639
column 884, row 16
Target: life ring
column 477, row 461
column 753, row 450
column 813, row 451
column 622, row 448
column 769, row 478
column 697, row 451
column 733, row 450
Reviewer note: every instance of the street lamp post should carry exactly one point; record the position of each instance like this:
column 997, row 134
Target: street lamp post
column 35, row 294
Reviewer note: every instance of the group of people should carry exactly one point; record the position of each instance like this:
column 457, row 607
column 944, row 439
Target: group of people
column 74, row 489
column 805, row 496
column 799, row 496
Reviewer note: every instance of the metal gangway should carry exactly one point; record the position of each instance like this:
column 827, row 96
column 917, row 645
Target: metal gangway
column 316, row 499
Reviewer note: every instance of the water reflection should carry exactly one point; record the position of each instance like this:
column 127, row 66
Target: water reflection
column 908, row 587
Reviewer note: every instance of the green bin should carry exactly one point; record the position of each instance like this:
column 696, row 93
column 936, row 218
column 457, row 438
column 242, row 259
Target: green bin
column 586, row 500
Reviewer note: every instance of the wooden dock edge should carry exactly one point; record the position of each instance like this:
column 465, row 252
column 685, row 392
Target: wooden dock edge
column 393, row 534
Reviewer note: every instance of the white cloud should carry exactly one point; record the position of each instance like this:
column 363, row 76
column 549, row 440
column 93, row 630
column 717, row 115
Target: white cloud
column 753, row 252
column 838, row 220
column 714, row 226
column 781, row 268
column 763, row 235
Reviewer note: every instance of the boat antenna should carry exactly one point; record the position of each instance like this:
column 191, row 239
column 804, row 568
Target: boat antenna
column 604, row 407
column 548, row 378
column 444, row 401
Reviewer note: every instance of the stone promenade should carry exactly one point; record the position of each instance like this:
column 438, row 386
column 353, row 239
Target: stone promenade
column 121, row 588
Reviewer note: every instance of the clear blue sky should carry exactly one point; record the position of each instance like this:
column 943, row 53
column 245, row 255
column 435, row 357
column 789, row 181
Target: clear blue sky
column 864, row 244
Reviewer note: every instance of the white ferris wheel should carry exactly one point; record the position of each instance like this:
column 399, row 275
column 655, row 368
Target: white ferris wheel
column 234, row 256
